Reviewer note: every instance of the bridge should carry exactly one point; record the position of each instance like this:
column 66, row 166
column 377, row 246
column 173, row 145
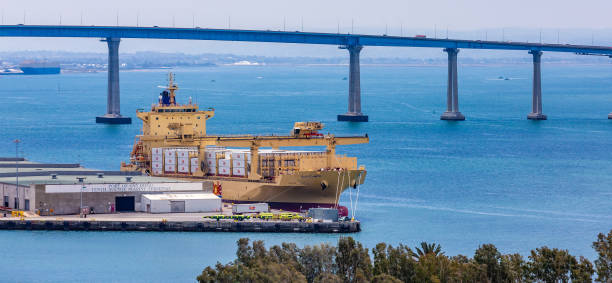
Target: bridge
column 353, row 43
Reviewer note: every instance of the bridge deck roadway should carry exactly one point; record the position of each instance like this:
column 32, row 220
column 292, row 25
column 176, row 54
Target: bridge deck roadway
column 284, row 37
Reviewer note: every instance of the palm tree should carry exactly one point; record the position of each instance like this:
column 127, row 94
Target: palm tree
column 426, row 248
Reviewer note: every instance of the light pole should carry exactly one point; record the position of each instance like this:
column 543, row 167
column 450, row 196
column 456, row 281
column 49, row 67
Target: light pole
column 81, row 179
column 17, row 172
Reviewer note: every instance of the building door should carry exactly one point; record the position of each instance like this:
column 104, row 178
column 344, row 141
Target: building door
column 148, row 208
column 124, row 204
column 6, row 201
column 177, row 206
column 26, row 205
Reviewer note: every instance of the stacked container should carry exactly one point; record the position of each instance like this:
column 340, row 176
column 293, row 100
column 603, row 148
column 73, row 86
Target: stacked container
column 210, row 158
column 224, row 166
column 157, row 161
column 238, row 164
column 182, row 163
column 169, row 160
column 195, row 165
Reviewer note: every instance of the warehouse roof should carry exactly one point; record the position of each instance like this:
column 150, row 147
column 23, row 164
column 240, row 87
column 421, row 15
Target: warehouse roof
column 41, row 173
column 167, row 196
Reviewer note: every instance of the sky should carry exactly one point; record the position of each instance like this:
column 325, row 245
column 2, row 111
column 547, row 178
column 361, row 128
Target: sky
column 491, row 19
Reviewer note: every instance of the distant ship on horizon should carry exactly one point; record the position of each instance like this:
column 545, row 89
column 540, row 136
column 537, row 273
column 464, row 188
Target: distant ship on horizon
column 39, row 68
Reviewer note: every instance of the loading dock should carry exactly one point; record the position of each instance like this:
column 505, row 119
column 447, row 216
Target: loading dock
column 125, row 203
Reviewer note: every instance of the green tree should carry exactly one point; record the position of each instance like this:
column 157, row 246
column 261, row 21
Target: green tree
column 385, row 278
column 396, row 262
column 433, row 268
column 550, row 265
column 352, row 261
column 582, row 271
column 328, row 278
column 316, row 261
column 489, row 256
column 603, row 263
column 463, row 269
column 516, row 268
column 428, row 249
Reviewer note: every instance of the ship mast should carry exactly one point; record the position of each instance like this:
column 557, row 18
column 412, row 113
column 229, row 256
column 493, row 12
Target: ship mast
column 172, row 87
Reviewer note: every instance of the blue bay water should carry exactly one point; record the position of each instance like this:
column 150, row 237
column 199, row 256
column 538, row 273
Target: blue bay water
column 494, row 178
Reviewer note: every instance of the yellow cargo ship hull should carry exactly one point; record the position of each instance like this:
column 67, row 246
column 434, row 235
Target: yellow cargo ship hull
column 311, row 188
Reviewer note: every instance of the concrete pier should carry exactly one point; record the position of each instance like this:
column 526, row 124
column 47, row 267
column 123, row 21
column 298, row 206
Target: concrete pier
column 536, row 107
column 452, row 93
column 113, row 115
column 354, row 100
column 175, row 223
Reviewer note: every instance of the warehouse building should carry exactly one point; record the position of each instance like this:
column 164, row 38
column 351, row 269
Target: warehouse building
column 181, row 202
column 60, row 189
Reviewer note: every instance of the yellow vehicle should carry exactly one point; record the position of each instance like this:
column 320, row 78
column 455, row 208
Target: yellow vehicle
column 265, row 216
column 244, row 168
column 289, row 216
column 216, row 217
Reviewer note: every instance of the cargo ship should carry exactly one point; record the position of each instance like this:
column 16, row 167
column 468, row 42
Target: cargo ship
column 39, row 68
column 244, row 168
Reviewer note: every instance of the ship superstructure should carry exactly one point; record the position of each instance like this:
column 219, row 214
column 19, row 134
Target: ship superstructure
column 244, row 168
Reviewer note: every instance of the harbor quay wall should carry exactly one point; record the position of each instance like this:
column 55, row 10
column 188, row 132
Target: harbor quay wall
column 182, row 226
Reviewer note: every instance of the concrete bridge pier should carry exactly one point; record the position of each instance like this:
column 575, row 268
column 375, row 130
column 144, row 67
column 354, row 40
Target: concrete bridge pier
column 452, row 93
column 536, row 108
column 354, row 100
column 113, row 115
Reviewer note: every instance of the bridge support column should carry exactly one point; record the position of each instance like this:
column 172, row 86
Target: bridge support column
column 536, row 107
column 113, row 115
column 354, row 100
column 452, row 92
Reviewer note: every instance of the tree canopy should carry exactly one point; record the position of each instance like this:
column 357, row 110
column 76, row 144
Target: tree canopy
column 350, row 261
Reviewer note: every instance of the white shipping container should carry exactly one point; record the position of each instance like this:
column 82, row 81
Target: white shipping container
column 238, row 163
column 157, row 172
column 156, row 166
column 250, row 207
column 183, row 161
column 182, row 153
column 194, row 161
column 224, row 163
column 169, row 160
column 183, row 168
column 156, row 151
column 194, row 168
column 211, row 154
column 224, row 170
column 211, row 163
column 238, row 172
column 170, row 168
column 156, row 158
column 238, row 155
column 168, row 152
column 212, row 170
